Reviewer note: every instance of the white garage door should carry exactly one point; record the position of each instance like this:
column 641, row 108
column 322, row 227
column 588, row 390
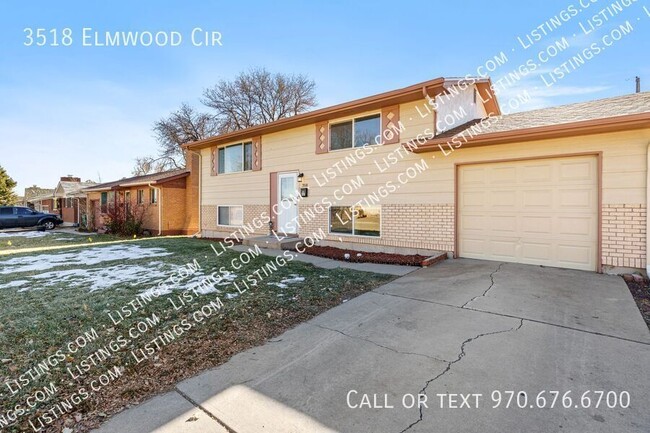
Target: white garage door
column 542, row 212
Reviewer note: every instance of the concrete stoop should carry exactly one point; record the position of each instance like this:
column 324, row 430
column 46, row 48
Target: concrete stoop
column 274, row 243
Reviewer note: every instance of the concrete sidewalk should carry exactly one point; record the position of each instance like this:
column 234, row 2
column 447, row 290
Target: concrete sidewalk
column 461, row 327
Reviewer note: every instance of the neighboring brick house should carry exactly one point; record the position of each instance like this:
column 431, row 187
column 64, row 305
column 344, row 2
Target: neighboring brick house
column 167, row 200
column 442, row 169
column 70, row 200
column 40, row 199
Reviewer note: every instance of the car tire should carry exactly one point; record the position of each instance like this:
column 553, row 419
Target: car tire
column 49, row 225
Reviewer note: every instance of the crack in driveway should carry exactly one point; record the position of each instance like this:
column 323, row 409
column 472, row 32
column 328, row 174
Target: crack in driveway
column 379, row 345
column 451, row 363
column 486, row 290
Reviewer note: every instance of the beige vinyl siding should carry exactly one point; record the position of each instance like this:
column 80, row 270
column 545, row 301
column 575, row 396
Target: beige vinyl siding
column 624, row 165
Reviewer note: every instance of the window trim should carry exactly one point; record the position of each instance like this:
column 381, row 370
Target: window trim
column 353, row 119
column 329, row 222
column 243, row 155
column 231, row 205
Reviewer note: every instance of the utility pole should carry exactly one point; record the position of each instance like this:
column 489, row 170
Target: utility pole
column 638, row 84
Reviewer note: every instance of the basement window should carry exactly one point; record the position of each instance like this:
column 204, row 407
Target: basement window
column 230, row 216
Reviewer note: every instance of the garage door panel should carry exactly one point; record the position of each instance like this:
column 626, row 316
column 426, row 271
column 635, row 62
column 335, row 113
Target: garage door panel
column 536, row 225
column 536, row 173
column 501, row 199
column 541, row 251
column 577, row 226
column 504, row 249
column 502, row 175
column 578, row 170
column 505, row 225
column 537, row 198
column 582, row 197
column 542, row 212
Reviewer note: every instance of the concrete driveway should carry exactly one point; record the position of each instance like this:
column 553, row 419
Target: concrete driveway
column 461, row 327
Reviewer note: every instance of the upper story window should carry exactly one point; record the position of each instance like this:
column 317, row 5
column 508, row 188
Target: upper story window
column 355, row 133
column 235, row 158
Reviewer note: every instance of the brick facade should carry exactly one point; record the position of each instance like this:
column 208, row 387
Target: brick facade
column 624, row 235
column 418, row 226
column 210, row 228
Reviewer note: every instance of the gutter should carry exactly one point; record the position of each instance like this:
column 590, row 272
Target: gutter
column 647, row 221
column 198, row 233
column 584, row 127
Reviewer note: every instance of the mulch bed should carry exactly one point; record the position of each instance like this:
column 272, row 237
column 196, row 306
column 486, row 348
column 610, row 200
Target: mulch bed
column 365, row 257
column 640, row 289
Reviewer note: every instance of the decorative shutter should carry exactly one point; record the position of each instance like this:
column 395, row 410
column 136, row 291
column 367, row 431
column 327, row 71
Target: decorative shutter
column 390, row 124
column 322, row 141
column 273, row 198
column 257, row 153
column 214, row 161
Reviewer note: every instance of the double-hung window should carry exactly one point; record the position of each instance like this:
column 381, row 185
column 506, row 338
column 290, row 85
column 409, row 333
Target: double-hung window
column 153, row 195
column 356, row 132
column 235, row 158
column 140, row 196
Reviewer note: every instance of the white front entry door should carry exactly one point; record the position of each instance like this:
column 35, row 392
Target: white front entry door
column 287, row 203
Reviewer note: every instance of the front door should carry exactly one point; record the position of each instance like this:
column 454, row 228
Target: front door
column 287, row 203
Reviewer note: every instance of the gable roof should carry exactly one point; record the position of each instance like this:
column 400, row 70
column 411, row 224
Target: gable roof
column 602, row 115
column 155, row 178
column 399, row 96
column 67, row 188
column 35, row 191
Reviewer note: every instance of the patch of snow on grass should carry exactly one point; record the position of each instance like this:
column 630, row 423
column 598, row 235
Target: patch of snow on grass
column 15, row 283
column 85, row 256
column 284, row 283
column 102, row 278
column 26, row 234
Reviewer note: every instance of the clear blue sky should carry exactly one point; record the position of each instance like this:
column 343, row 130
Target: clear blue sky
column 88, row 111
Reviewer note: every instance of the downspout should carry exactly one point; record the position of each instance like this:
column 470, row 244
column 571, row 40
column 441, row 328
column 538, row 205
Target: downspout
column 198, row 233
column 160, row 204
column 647, row 220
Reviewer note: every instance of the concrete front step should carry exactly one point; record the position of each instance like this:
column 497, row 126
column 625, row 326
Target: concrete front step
column 273, row 242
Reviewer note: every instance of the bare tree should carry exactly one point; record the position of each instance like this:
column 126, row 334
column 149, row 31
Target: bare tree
column 257, row 97
column 252, row 98
column 181, row 126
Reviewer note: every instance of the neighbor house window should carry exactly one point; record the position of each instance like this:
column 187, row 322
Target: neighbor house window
column 140, row 196
column 153, row 195
column 235, row 158
column 355, row 132
column 230, row 215
column 103, row 201
column 356, row 220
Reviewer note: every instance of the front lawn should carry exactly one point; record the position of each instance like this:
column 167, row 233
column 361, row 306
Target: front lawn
column 76, row 318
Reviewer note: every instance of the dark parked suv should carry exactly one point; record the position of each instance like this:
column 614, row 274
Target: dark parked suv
column 18, row 216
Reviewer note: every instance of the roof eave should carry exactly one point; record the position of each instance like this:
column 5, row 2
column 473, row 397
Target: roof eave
column 592, row 126
column 431, row 88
